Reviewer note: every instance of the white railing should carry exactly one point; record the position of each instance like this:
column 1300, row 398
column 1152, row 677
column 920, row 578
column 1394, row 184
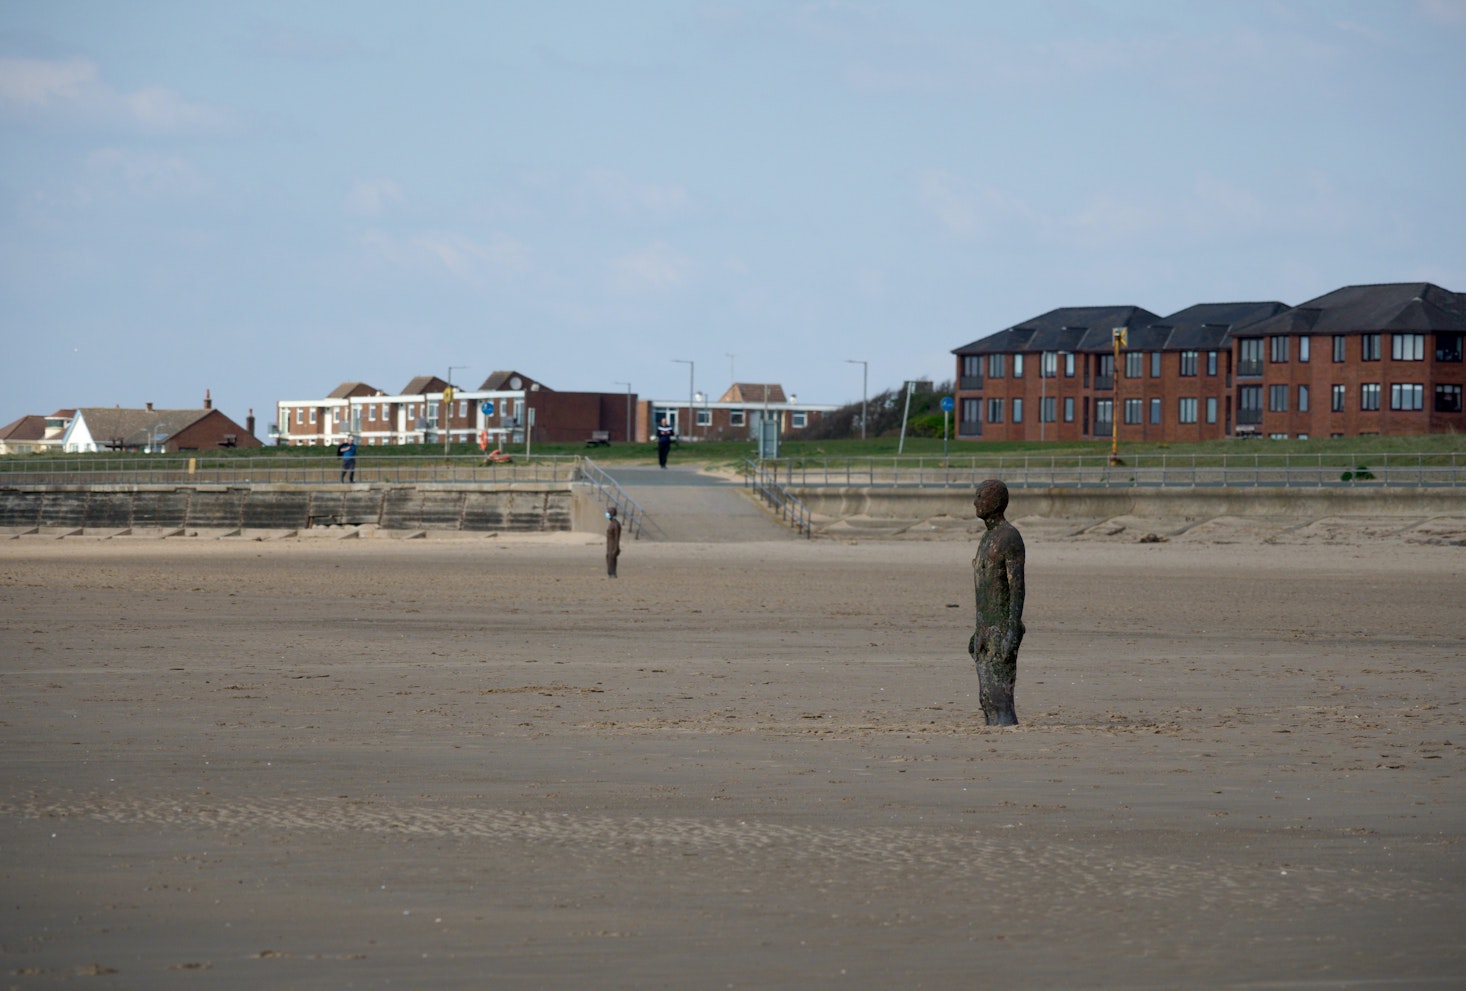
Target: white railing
column 161, row 469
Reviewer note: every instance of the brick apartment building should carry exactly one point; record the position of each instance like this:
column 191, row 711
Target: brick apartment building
column 1377, row 359
column 428, row 410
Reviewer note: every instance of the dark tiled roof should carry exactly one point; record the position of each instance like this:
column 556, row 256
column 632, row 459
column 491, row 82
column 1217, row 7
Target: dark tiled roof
column 422, row 384
column 1205, row 326
column 133, row 426
column 499, row 382
column 348, row 389
column 1070, row 328
column 28, row 427
column 754, row 392
column 1418, row 307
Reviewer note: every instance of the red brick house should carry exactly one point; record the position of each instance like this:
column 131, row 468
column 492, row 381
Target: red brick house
column 1364, row 359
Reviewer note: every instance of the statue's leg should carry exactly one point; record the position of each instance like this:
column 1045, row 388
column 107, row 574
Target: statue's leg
column 995, row 678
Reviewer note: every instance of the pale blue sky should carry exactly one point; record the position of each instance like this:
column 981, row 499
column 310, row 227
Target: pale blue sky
column 268, row 198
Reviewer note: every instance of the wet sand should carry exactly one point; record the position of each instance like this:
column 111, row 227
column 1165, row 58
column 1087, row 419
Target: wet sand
column 478, row 762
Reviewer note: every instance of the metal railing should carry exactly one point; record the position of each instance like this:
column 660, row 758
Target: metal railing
column 168, row 469
column 765, row 485
column 1261, row 469
column 630, row 511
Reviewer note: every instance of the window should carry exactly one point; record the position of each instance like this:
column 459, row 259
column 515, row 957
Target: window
column 1186, row 410
column 1134, row 410
column 1018, row 366
column 1336, row 398
column 995, row 411
column 1211, row 409
column 1069, row 360
column 1049, row 364
column 1407, row 347
column 705, row 418
column 1104, row 372
column 1104, row 416
column 1277, row 349
column 1188, row 363
column 1447, row 347
column 1369, row 395
column 1249, row 404
column 1249, row 356
column 971, row 411
column 995, row 366
column 1339, row 354
column 971, row 366
column 313, row 414
column 1211, row 363
column 462, row 408
column 336, row 415
column 1407, row 396
column 1448, row 399
column 299, row 415
column 1134, row 364
column 1069, row 405
column 1155, row 364
column 797, row 419
column 1303, row 348
column 1017, row 409
column 432, row 414
column 1048, row 409
column 1303, row 398
column 1369, row 347
column 737, row 418
column 1155, row 411
column 1277, row 399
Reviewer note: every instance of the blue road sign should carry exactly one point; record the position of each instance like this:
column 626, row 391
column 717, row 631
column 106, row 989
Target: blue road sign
column 947, row 404
column 487, row 407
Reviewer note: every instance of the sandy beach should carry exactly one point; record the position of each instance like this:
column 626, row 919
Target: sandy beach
column 478, row 762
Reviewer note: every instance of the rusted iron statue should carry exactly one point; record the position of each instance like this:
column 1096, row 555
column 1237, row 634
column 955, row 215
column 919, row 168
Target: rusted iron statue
column 997, row 576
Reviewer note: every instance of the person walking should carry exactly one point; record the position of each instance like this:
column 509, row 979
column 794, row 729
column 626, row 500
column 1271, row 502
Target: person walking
column 346, row 451
column 613, row 541
column 664, row 441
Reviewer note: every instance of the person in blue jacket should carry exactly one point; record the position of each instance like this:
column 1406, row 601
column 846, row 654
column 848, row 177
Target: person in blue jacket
column 346, row 451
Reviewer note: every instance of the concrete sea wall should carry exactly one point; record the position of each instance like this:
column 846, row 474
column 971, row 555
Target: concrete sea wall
column 919, row 504
column 515, row 506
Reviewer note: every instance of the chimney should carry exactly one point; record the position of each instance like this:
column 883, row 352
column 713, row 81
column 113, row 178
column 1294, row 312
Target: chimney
column 208, row 400
column 150, row 407
column 249, row 421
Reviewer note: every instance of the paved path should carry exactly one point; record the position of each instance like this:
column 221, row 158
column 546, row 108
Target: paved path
column 684, row 505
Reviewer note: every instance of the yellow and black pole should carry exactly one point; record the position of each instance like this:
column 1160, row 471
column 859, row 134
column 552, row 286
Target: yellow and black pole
column 447, row 412
column 1118, row 337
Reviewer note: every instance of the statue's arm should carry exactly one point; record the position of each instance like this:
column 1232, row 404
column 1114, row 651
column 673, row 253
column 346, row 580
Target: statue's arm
column 1015, row 592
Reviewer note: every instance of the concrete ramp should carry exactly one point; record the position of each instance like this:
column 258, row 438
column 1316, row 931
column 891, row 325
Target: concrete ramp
column 685, row 505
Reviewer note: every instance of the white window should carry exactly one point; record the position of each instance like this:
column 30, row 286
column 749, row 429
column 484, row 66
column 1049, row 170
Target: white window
column 1407, row 347
column 705, row 418
column 1186, row 413
column 798, row 419
column 737, row 418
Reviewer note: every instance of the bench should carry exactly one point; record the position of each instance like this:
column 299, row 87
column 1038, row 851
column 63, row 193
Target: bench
column 599, row 438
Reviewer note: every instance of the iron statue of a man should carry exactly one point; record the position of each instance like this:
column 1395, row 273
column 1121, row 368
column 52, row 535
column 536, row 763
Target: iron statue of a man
column 997, row 576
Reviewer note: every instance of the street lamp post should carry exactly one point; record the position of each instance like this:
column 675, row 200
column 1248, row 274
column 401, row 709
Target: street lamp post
column 1118, row 336
column 628, row 409
column 447, row 408
column 691, row 370
column 864, row 388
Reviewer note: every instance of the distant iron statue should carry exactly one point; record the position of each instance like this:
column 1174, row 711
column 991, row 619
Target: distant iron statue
column 997, row 577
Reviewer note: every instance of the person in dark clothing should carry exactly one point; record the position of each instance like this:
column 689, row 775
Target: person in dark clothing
column 346, row 451
column 664, row 442
column 613, row 541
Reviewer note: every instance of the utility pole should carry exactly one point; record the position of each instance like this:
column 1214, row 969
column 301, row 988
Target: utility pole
column 1118, row 337
column 864, row 388
column 448, row 407
column 628, row 409
column 691, row 369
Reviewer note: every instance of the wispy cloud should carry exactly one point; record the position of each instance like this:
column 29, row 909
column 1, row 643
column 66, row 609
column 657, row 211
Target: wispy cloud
column 656, row 268
column 966, row 209
column 624, row 195
column 372, row 197
column 72, row 91
column 146, row 174
column 449, row 253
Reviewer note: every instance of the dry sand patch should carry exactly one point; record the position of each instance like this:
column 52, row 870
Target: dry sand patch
column 480, row 762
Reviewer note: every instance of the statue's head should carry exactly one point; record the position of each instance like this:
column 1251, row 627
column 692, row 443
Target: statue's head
column 991, row 498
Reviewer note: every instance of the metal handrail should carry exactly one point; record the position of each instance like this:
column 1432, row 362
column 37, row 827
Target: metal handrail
column 1246, row 470
column 165, row 469
column 765, row 484
column 630, row 511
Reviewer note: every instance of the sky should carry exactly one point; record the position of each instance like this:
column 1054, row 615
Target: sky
column 265, row 199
